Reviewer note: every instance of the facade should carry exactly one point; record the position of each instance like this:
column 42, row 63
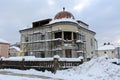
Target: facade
column 108, row 49
column 4, row 48
column 14, row 51
column 63, row 36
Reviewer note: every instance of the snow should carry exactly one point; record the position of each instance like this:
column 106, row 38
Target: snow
column 63, row 20
column 27, row 58
column 96, row 69
column 68, row 20
column 79, row 41
column 57, row 39
column 26, row 27
column 33, row 58
column 115, row 60
column 17, row 48
column 83, row 25
column 68, row 45
column 56, row 56
column 81, row 51
column 7, row 77
column 3, row 41
column 107, row 47
column 57, row 49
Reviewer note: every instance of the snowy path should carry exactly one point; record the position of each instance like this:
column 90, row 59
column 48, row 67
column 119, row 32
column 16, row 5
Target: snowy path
column 27, row 75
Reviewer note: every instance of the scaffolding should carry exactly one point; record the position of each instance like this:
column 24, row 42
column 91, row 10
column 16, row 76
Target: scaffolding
column 21, row 53
column 43, row 43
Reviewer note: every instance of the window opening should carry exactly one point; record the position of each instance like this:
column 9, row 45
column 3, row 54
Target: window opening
column 58, row 35
column 67, row 35
column 74, row 36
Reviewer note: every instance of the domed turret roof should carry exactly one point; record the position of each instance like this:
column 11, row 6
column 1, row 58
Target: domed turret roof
column 64, row 14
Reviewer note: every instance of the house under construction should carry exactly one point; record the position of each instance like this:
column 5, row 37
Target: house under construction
column 64, row 36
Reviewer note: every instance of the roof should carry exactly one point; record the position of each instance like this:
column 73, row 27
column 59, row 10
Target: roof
column 17, row 48
column 3, row 41
column 107, row 47
column 64, row 14
column 63, row 20
column 70, row 20
column 41, row 22
column 60, row 17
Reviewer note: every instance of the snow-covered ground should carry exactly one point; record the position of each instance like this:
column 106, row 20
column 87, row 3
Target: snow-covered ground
column 96, row 69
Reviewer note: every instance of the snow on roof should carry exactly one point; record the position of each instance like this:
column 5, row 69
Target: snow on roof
column 63, row 20
column 3, row 41
column 107, row 47
column 68, row 20
column 17, row 48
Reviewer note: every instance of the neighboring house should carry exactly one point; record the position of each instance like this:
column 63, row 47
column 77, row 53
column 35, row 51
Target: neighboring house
column 17, row 44
column 14, row 51
column 108, row 49
column 4, row 48
column 64, row 36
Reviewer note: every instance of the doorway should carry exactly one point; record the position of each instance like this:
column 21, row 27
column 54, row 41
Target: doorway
column 68, row 53
column 42, row 55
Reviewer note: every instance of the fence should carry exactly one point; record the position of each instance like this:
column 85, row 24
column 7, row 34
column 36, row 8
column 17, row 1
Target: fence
column 52, row 65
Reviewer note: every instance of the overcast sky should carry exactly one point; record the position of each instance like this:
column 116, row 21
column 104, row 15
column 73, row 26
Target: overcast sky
column 103, row 16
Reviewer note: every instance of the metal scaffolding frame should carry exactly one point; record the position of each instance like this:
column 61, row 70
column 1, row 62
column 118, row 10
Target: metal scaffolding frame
column 39, row 44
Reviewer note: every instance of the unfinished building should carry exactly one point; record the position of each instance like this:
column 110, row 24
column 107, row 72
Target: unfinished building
column 64, row 36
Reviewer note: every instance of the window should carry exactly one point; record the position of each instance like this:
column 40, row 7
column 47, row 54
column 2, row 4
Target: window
column 67, row 35
column 26, row 39
column 42, row 37
column 105, row 52
column 91, row 42
column 58, row 35
column 42, row 55
column 112, row 51
column 80, row 46
column 83, row 37
column 26, row 54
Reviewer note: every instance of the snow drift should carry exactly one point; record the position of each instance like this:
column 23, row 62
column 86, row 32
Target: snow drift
column 96, row 69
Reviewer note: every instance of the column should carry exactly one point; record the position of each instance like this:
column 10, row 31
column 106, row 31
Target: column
column 62, row 35
column 72, row 36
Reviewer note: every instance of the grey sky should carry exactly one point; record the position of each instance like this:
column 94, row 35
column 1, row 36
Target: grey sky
column 103, row 16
